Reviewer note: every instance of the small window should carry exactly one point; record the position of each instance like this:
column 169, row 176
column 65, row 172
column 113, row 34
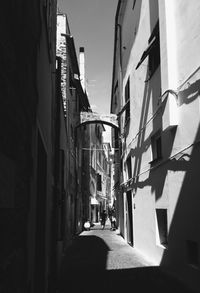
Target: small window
column 127, row 101
column 153, row 51
column 161, row 217
column 99, row 186
column 193, row 253
column 129, row 167
column 154, row 54
column 72, row 132
column 116, row 139
column 156, row 147
column 116, row 87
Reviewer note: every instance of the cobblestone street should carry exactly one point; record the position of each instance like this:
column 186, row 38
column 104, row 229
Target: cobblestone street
column 101, row 260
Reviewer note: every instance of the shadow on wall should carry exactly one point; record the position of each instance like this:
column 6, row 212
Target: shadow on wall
column 141, row 145
column 190, row 93
column 180, row 163
column 184, row 238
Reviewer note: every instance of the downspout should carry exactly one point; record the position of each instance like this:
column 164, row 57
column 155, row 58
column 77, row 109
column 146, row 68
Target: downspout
column 115, row 45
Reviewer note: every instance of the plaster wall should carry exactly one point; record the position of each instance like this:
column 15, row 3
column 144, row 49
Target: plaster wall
column 188, row 38
column 172, row 183
column 179, row 42
column 145, row 120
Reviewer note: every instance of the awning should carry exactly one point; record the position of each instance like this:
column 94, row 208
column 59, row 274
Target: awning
column 147, row 51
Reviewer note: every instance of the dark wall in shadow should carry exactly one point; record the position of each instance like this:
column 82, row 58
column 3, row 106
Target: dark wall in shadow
column 140, row 279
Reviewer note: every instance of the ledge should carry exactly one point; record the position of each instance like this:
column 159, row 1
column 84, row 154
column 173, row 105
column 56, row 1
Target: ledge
column 155, row 161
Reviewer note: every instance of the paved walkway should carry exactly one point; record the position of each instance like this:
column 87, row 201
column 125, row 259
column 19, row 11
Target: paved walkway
column 100, row 260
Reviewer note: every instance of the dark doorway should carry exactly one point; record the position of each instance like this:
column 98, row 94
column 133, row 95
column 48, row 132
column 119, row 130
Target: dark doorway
column 40, row 217
column 129, row 218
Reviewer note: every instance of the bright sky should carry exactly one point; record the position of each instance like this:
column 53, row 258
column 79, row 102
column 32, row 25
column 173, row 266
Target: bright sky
column 91, row 24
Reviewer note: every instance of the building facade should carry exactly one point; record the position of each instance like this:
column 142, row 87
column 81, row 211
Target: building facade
column 74, row 100
column 155, row 95
column 97, row 182
column 27, row 46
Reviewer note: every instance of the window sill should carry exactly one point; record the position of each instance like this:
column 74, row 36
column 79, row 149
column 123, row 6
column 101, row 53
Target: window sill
column 155, row 161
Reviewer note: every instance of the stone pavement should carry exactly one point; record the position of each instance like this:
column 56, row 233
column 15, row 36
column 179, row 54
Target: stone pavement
column 100, row 260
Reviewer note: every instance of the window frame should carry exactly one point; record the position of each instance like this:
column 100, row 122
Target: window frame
column 152, row 51
column 129, row 167
column 156, row 147
column 127, row 101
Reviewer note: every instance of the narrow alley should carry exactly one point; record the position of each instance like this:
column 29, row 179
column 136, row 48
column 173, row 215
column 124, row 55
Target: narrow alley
column 99, row 119
column 101, row 260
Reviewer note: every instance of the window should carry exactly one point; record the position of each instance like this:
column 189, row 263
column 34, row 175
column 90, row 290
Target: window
column 156, row 147
column 154, row 54
column 115, row 93
column 153, row 51
column 129, row 167
column 72, row 132
column 99, row 186
column 192, row 253
column 161, row 221
column 127, row 101
column 116, row 139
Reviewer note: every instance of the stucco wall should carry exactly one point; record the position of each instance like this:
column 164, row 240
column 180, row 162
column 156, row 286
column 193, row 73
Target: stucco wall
column 172, row 183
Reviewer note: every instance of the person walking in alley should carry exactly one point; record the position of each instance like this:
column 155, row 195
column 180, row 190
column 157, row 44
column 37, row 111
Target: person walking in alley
column 103, row 219
column 113, row 223
column 112, row 219
column 110, row 216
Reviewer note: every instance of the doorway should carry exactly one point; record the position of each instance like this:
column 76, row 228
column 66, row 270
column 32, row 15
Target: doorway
column 129, row 215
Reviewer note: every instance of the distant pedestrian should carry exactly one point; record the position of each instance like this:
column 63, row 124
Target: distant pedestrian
column 110, row 215
column 112, row 219
column 103, row 219
column 113, row 223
